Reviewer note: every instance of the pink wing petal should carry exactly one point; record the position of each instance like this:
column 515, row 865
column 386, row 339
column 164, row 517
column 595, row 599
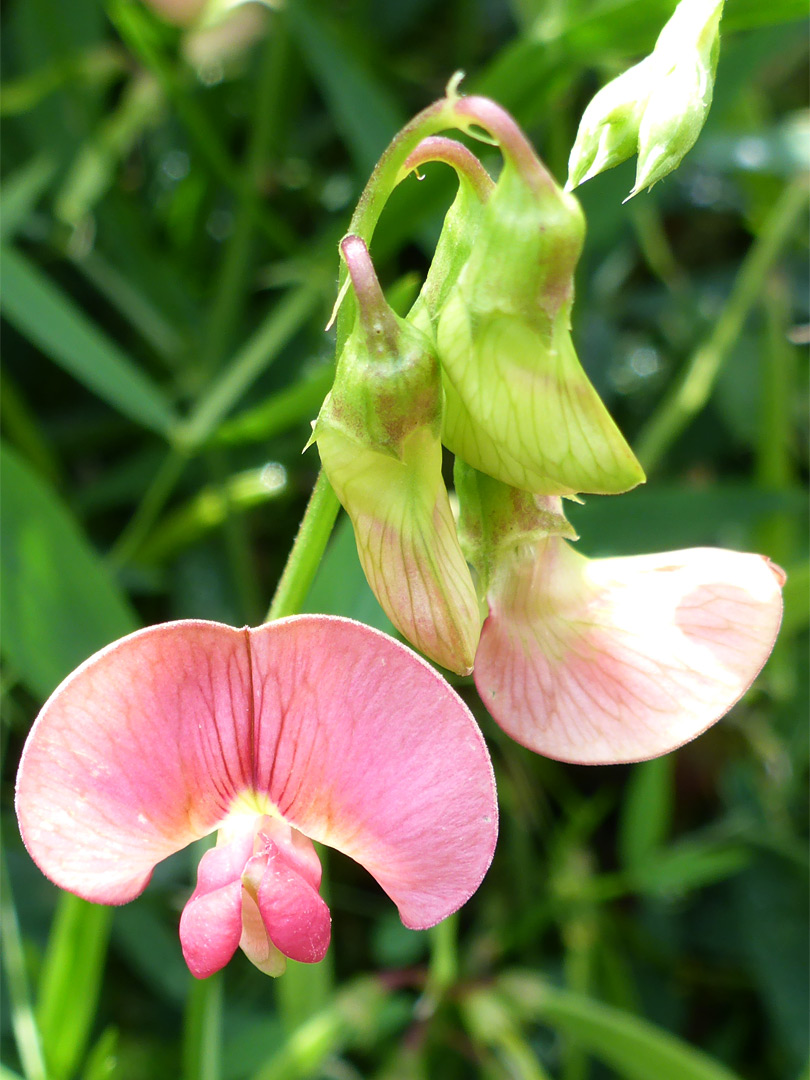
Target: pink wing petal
column 211, row 923
column 356, row 742
column 617, row 660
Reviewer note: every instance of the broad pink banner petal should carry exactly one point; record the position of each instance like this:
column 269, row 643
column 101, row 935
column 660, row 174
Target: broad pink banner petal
column 617, row 660
column 350, row 737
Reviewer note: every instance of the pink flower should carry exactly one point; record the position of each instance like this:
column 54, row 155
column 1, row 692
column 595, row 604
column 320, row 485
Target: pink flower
column 308, row 728
column 621, row 659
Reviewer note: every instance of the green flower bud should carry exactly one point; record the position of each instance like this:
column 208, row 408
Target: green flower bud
column 378, row 434
column 518, row 405
column 658, row 107
column 460, row 226
column 677, row 107
column 608, row 130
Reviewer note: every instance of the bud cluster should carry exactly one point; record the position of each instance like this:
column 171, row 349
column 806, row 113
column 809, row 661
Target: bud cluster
column 656, row 108
column 483, row 364
column 585, row 660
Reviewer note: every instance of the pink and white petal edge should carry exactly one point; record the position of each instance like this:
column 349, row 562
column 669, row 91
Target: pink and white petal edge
column 618, row 660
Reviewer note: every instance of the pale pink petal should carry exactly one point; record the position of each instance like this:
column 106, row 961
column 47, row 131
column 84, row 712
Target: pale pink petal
column 617, row 660
column 407, row 542
column 336, row 728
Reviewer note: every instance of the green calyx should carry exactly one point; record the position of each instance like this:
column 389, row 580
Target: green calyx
column 496, row 519
column 388, row 383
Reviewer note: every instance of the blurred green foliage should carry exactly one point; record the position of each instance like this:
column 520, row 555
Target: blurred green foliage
column 169, row 217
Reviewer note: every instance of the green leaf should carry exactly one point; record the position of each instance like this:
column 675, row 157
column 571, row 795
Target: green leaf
column 491, row 1022
column 60, row 604
column 661, row 519
column 149, row 945
column 280, row 411
column 8, row 1074
column 751, row 14
column 70, row 982
column 687, row 865
column 255, row 357
column 364, row 112
column 21, row 193
column 796, row 589
column 771, row 899
column 101, row 1062
column 354, row 1017
column 634, row 1048
column 50, row 320
column 647, row 811
column 210, row 508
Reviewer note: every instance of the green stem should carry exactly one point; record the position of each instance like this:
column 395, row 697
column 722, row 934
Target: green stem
column 443, row 970
column 150, row 506
column 23, row 1023
column 692, row 393
column 307, row 550
column 230, row 291
column 443, row 967
column 774, row 468
column 453, row 111
column 655, row 246
column 202, row 1032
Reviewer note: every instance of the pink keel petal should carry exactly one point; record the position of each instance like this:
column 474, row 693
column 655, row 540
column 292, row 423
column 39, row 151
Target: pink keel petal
column 616, row 660
column 210, row 929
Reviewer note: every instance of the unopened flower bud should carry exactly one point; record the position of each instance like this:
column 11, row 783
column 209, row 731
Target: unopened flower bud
column 518, row 405
column 378, row 435
column 658, row 107
column 686, row 56
column 608, row 130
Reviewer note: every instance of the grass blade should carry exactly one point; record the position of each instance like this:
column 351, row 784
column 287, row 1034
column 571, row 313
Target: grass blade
column 59, row 602
column 50, row 320
column 634, row 1048
column 70, row 983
